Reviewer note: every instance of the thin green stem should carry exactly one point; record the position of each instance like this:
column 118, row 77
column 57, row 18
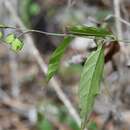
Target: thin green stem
column 45, row 33
column 36, row 31
column 42, row 32
column 50, row 34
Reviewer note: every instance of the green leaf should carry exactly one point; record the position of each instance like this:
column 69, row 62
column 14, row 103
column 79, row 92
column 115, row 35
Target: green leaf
column 82, row 30
column 17, row 45
column 10, row 38
column 90, row 82
column 56, row 57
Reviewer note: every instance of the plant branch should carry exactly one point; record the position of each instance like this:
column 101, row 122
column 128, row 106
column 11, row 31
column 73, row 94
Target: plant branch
column 54, row 83
column 117, row 22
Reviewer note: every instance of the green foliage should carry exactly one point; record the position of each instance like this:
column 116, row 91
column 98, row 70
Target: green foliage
column 56, row 57
column 82, row 30
column 90, row 81
column 10, row 38
column 42, row 123
column 92, row 70
column 16, row 43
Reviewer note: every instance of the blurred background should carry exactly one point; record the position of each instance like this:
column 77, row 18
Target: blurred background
column 27, row 102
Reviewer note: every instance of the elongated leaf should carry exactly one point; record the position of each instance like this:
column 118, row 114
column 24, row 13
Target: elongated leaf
column 56, row 57
column 90, row 82
column 82, row 30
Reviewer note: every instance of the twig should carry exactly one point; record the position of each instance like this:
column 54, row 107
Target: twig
column 117, row 22
column 122, row 20
column 124, row 10
column 43, row 66
column 35, row 31
column 119, row 28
